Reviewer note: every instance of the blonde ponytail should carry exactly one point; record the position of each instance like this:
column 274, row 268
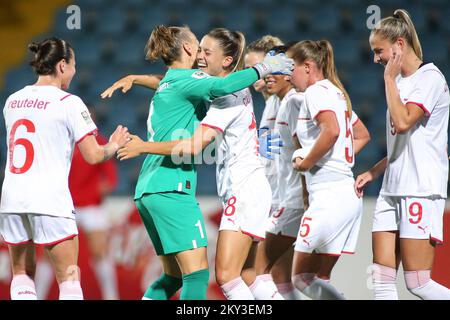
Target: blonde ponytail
column 397, row 26
column 321, row 52
column 330, row 72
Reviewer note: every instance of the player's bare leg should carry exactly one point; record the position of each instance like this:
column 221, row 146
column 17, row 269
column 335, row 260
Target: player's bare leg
column 261, row 286
column 64, row 259
column 306, row 267
column 417, row 259
column 248, row 273
column 229, row 264
column 386, row 260
column 269, row 252
column 23, row 263
column 103, row 264
column 282, row 276
column 195, row 274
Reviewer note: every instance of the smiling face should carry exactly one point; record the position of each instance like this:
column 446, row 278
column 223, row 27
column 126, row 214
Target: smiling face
column 277, row 84
column 381, row 49
column 211, row 58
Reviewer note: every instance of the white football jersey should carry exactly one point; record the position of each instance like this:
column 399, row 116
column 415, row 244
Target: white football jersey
column 42, row 125
column 237, row 148
column 324, row 96
column 268, row 119
column 417, row 159
column 289, row 182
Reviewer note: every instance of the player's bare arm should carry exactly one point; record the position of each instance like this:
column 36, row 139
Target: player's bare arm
column 192, row 146
column 361, row 136
column 94, row 153
column 150, row 81
column 365, row 178
column 329, row 133
column 403, row 116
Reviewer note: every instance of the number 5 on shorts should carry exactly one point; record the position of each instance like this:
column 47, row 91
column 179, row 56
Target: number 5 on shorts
column 305, row 228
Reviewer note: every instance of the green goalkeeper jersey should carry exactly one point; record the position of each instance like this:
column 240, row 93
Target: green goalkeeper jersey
column 177, row 108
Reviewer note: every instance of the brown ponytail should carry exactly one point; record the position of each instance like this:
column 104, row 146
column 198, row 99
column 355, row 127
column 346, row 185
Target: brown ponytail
column 397, row 26
column 321, row 52
column 166, row 43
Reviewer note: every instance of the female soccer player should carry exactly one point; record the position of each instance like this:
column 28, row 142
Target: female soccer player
column 165, row 193
column 408, row 215
column 331, row 223
column 281, row 269
column 43, row 123
column 242, row 185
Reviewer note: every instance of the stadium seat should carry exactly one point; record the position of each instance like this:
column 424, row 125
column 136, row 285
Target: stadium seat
column 111, row 21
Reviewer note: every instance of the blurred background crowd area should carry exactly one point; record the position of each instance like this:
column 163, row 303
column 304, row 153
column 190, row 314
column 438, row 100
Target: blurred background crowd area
column 110, row 44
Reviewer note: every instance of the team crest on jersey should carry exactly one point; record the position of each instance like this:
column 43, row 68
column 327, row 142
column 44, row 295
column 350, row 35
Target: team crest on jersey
column 199, row 75
column 86, row 117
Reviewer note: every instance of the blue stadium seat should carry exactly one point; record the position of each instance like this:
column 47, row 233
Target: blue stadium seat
column 19, row 77
column 111, row 20
column 88, row 51
column 366, row 82
column 198, row 20
column 325, row 19
column 130, row 51
column 283, row 20
column 151, row 17
column 435, row 49
column 346, row 50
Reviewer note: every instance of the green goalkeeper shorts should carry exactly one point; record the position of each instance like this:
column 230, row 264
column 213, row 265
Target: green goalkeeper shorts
column 173, row 221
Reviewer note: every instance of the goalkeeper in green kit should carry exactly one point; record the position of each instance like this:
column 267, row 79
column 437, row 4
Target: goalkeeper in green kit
column 165, row 191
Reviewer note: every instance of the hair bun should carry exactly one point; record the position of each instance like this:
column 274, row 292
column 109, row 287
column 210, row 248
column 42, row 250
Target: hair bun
column 33, row 47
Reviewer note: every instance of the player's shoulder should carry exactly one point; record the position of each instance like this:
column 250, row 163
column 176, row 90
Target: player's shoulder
column 295, row 97
column 318, row 89
column 431, row 72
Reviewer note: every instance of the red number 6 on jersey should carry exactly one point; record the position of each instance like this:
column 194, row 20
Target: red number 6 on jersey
column 29, row 150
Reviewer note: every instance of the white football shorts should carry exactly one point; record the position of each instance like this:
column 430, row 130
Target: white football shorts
column 331, row 224
column 43, row 230
column 248, row 207
column 285, row 222
column 413, row 217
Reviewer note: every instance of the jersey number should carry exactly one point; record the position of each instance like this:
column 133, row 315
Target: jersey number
column 230, row 208
column 29, row 150
column 415, row 211
column 305, row 227
column 348, row 133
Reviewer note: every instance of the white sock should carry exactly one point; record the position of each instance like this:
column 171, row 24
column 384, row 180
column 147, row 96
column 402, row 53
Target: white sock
column 23, row 288
column 288, row 291
column 70, row 290
column 236, row 289
column 419, row 283
column 384, row 282
column 316, row 288
column 106, row 275
column 265, row 289
column 44, row 278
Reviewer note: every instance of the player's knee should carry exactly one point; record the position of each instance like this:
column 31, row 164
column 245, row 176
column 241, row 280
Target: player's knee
column 225, row 275
column 303, row 280
column 416, row 279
